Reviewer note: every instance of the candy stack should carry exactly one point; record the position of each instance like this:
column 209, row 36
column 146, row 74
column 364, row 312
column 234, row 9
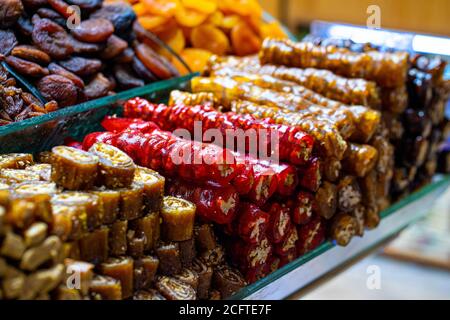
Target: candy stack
column 93, row 225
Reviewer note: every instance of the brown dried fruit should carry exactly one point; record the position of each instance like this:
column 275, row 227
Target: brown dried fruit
column 82, row 66
column 8, row 41
column 84, row 47
column 57, row 69
column 10, row 11
column 52, row 38
column 24, row 26
column 58, row 88
column 86, row 5
column 61, row 7
column 114, row 47
column 98, row 87
column 142, row 71
column 93, row 30
column 52, row 15
column 26, row 67
column 125, row 78
column 31, row 53
column 126, row 56
column 152, row 61
column 121, row 15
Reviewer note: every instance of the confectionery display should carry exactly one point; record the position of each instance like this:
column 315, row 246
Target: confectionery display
column 193, row 191
column 68, row 63
column 96, row 219
column 196, row 29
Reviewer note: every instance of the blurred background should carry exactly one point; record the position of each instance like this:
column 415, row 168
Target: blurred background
column 424, row 16
column 416, row 264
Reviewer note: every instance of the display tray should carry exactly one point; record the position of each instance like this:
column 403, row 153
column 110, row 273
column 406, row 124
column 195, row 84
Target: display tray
column 299, row 274
column 43, row 132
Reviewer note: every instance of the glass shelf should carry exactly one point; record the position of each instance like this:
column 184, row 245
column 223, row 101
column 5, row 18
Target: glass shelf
column 300, row 273
column 43, row 132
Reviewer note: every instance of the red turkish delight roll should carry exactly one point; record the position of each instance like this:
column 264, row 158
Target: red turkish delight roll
column 252, row 223
column 279, row 222
column 288, row 245
column 310, row 235
column 214, row 203
column 310, row 175
column 302, row 210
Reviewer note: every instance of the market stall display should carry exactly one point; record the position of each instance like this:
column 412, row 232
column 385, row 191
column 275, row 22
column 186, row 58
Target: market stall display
column 68, row 62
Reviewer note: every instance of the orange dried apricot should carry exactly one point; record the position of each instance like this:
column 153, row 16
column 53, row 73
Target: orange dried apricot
column 189, row 17
column 165, row 8
column 244, row 40
column 240, row 7
column 210, row 38
column 228, row 22
column 150, row 22
column 140, row 9
column 203, row 6
column 195, row 58
column 177, row 41
column 273, row 30
column 216, row 19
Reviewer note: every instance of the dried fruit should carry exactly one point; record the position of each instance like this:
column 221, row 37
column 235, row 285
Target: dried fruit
column 93, row 30
column 125, row 77
column 10, row 11
column 61, row 7
column 57, row 69
column 120, row 14
column 86, row 5
column 31, row 53
column 58, row 88
column 244, row 40
column 161, row 7
column 82, row 66
column 195, row 58
column 189, row 18
column 52, row 39
column 52, row 15
column 98, row 87
column 142, row 71
column 8, row 41
column 203, row 6
column 24, row 26
column 114, row 47
column 152, row 61
column 210, row 38
column 86, row 48
column 26, row 67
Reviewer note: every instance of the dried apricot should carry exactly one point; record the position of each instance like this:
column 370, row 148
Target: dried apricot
column 272, row 30
column 177, row 42
column 98, row 87
column 121, row 16
column 240, row 7
column 152, row 61
column 52, row 39
column 150, row 22
column 165, row 8
column 10, row 11
column 57, row 69
column 114, row 47
column 195, row 58
column 210, row 38
column 93, row 30
column 52, row 15
column 86, row 5
column 230, row 21
column 189, row 18
column 82, row 66
column 61, row 7
column 125, row 78
column 58, row 88
column 8, row 41
column 31, row 53
column 26, row 67
column 216, row 19
column 244, row 40
column 85, row 47
column 141, row 9
column 142, row 71
column 203, row 6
